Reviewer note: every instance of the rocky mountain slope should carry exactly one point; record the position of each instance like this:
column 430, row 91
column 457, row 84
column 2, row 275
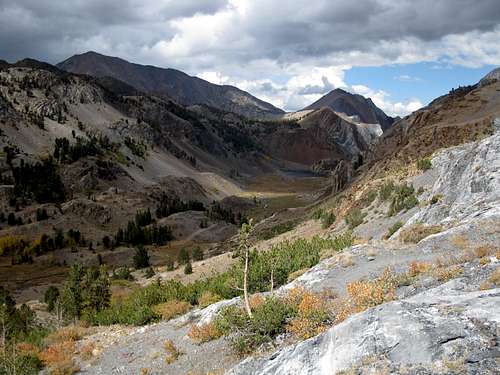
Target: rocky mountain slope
column 353, row 105
column 173, row 83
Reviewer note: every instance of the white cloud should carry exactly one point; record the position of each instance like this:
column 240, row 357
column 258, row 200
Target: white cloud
column 382, row 100
column 407, row 78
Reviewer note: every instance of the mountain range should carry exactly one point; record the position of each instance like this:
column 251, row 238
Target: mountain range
column 188, row 90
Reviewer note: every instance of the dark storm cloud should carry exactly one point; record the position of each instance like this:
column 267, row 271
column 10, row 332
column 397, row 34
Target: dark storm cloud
column 52, row 29
column 283, row 31
column 316, row 28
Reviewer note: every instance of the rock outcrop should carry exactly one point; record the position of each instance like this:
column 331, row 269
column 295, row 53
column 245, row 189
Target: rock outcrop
column 447, row 323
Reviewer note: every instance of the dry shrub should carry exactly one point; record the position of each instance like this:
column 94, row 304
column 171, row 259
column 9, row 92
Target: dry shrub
column 363, row 294
column 495, row 277
column 87, row 351
column 27, row 348
column 368, row 293
column 486, row 250
column 59, row 358
column 204, row 333
column 346, row 260
column 207, row 298
column 256, row 300
column 297, row 274
column 171, row 309
column 418, row 232
column 460, row 241
column 447, row 273
column 71, row 333
column 313, row 313
column 144, row 371
column 342, row 308
column 417, row 268
column 173, row 352
column 484, row 260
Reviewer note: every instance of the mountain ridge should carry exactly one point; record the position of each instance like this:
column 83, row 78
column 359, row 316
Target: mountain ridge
column 186, row 89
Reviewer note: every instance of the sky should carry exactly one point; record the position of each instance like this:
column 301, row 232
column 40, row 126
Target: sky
column 400, row 53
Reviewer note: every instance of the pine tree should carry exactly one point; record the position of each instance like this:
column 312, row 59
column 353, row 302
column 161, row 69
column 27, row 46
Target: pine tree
column 72, row 300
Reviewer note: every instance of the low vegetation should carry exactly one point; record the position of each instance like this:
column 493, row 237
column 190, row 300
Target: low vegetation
column 327, row 217
column 354, row 218
column 403, row 198
column 276, row 230
column 418, row 232
column 393, row 229
column 424, row 164
column 266, row 269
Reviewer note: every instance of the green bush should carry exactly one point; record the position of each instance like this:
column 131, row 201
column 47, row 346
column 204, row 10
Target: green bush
column 50, row 297
column 169, row 263
column 318, row 214
column 122, row 273
column 268, row 320
column 354, row 218
column 386, row 191
column 149, row 273
column 369, row 197
column 188, row 268
column 436, row 198
column 183, row 257
column 403, row 199
column 141, row 257
column 424, row 164
column 197, row 253
column 327, row 219
column 281, row 260
column 276, row 230
column 393, row 229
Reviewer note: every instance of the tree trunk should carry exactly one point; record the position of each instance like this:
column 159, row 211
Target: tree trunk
column 245, row 284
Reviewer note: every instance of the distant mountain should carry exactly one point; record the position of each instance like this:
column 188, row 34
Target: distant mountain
column 35, row 64
column 185, row 89
column 353, row 105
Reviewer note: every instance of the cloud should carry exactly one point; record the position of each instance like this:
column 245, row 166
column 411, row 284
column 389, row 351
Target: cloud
column 383, row 101
column 407, row 78
column 289, row 52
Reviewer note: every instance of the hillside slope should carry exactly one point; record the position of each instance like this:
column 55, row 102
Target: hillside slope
column 173, row 83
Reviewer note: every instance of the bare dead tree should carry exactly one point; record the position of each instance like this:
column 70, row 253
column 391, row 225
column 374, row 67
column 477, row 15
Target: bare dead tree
column 244, row 249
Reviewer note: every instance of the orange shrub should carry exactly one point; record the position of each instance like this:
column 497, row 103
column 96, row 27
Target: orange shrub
column 447, row 273
column 171, row 309
column 417, row 268
column 69, row 333
column 59, row 358
column 172, row 351
column 368, row 293
column 204, row 333
column 313, row 313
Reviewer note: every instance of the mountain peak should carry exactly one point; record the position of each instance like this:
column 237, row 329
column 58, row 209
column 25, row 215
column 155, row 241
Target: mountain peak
column 492, row 76
column 353, row 105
